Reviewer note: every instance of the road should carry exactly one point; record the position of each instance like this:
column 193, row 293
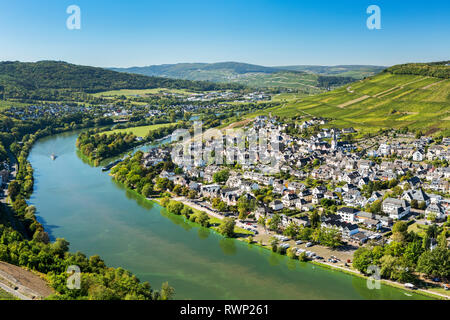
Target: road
column 208, row 211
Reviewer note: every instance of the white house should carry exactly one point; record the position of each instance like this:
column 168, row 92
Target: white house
column 436, row 210
column 276, row 205
column 348, row 214
column 418, row 156
column 396, row 208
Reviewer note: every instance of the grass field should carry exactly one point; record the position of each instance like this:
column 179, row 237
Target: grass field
column 140, row 92
column 418, row 228
column 6, row 104
column 140, row 131
column 281, row 79
column 394, row 101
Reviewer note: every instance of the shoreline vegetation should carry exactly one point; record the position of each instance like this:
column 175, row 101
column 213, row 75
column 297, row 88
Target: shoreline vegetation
column 213, row 226
column 26, row 146
column 225, row 227
column 100, row 144
column 25, row 243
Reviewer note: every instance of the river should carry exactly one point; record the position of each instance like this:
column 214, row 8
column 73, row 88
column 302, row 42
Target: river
column 85, row 206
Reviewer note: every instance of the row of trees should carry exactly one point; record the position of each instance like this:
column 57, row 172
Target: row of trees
column 178, row 208
column 97, row 146
column 226, row 227
column 407, row 255
column 329, row 237
column 438, row 70
column 145, row 181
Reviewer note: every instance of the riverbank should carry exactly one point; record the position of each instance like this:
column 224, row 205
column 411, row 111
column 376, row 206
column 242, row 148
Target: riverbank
column 322, row 264
column 264, row 236
column 102, row 217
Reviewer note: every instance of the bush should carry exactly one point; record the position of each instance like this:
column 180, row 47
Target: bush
column 291, row 253
column 303, row 257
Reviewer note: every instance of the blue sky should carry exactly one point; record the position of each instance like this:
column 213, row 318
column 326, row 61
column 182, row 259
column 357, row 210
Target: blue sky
column 266, row 32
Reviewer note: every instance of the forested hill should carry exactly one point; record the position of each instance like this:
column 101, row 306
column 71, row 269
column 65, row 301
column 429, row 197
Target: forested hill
column 20, row 76
column 304, row 78
column 434, row 69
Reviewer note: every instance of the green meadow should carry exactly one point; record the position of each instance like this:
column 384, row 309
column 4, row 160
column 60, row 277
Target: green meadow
column 290, row 80
column 139, row 92
column 140, row 131
column 383, row 101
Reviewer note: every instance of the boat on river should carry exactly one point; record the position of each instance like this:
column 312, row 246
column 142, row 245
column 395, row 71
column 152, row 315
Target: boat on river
column 53, row 157
column 112, row 164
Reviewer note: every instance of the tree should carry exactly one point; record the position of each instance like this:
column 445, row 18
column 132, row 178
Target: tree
column 221, row 176
column 167, row 292
column 226, row 228
column 175, row 207
column 14, row 190
column 400, row 231
column 422, row 205
column 177, row 189
column 442, row 240
column 147, row 190
column 291, row 230
column 305, row 233
column 275, row 222
column 376, row 206
column 314, row 219
column 291, row 253
column 165, row 202
column 432, row 231
column 262, row 221
column 203, row 219
column 192, row 194
column 413, row 251
column 222, row 207
column 187, row 212
column 303, row 257
column 245, row 205
column 331, row 237
column 396, row 268
column 362, row 259
column 41, row 236
column 435, row 263
column 60, row 246
column 274, row 244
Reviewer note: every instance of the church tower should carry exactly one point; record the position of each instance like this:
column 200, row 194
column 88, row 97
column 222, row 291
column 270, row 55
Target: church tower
column 334, row 141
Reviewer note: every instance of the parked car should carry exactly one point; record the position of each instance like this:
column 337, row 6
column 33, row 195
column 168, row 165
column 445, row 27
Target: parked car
column 298, row 242
column 309, row 244
column 410, row 286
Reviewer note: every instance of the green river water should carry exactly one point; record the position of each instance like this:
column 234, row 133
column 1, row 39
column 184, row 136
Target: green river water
column 85, row 206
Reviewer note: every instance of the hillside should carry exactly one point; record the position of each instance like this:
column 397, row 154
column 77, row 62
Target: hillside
column 353, row 71
column 29, row 79
column 387, row 100
column 435, row 69
column 258, row 76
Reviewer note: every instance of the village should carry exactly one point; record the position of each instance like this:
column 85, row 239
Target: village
column 356, row 188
